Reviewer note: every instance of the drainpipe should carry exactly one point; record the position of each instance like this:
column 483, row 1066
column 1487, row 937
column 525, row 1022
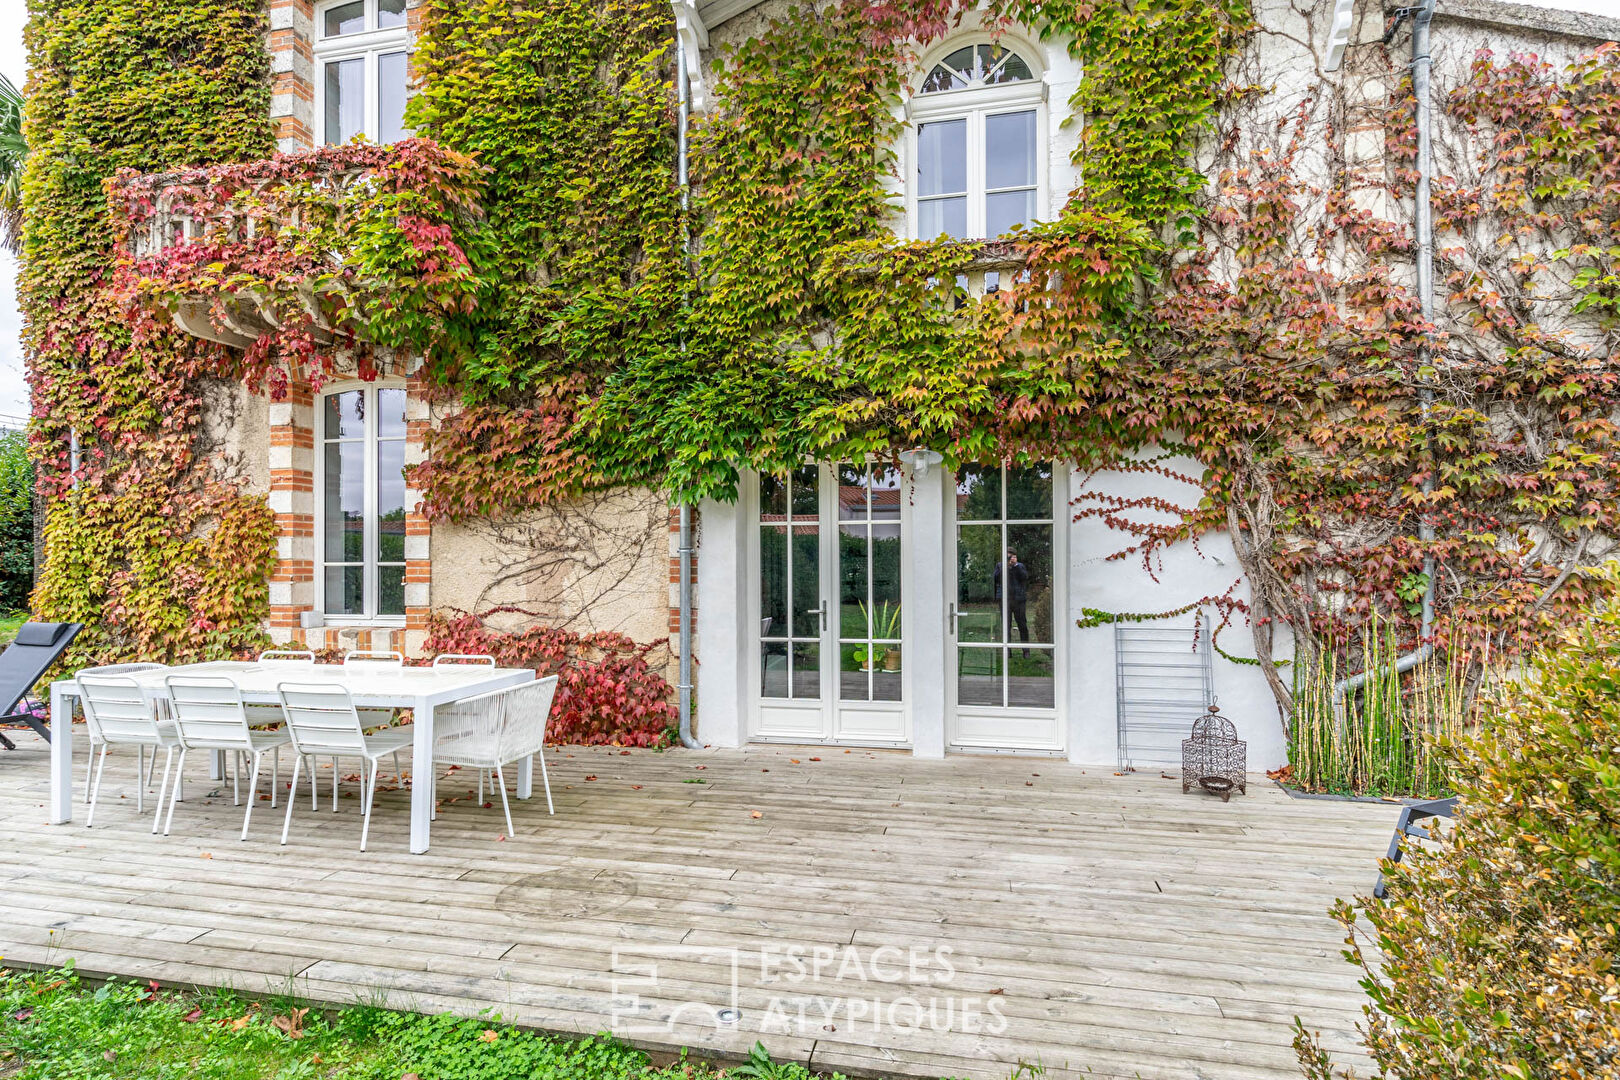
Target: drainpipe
column 1421, row 15
column 684, row 688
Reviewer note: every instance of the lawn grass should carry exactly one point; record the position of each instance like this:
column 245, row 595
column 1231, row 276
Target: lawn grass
column 53, row 1025
column 9, row 624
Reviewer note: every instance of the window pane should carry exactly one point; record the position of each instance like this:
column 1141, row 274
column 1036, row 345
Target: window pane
column 942, row 158
column 390, row 13
column 1029, row 491
column 978, row 493
column 391, row 500
column 773, row 669
column 1012, row 69
column 772, row 498
column 1028, row 573
column 345, row 19
column 806, row 485
column 853, row 615
column 942, row 217
column 806, row 583
column 1031, row 682
column 391, row 590
column 978, row 676
column 978, row 583
column 886, row 680
column 390, row 413
column 854, row 671
column 345, row 415
column 345, row 590
column 391, row 97
column 1006, row 210
column 806, row 670
column 773, row 581
column 851, row 493
column 1009, row 150
column 345, row 501
column 345, row 99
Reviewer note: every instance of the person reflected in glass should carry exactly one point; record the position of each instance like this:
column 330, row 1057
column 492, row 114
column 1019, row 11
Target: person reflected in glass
column 1017, row 594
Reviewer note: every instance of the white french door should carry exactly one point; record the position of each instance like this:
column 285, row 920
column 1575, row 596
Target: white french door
column 825, row 597
column 1006, row 558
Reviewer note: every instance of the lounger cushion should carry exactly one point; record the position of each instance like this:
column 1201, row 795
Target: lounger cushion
column 42, row 633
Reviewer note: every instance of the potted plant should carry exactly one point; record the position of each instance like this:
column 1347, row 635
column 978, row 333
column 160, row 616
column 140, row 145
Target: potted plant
column 887, row 625
column 863, row 657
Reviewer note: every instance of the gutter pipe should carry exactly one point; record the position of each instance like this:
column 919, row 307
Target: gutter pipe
column 684, row 552
column 1422, row 16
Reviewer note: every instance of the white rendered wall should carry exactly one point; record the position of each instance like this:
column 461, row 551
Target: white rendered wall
column 1180, row 575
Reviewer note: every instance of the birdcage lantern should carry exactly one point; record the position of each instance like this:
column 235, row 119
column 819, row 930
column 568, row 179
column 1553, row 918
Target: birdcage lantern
column 1214, row 759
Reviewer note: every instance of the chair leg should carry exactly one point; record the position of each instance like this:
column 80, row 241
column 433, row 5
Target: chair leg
column 480, row 787
column 95, row 789
column 275, row 776
column 89, row 774
column 292, row 796
column 253, row 787
column 335, row 783
column 314, row 788
column 163, row 788
column 370, row 793
column 180, row 771
column 500, row 782
column 399, row 774
column 140, row 773
column 236, row 778
column 545, row 781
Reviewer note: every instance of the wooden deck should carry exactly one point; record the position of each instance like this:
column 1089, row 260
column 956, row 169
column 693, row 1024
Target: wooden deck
column 1089, row 921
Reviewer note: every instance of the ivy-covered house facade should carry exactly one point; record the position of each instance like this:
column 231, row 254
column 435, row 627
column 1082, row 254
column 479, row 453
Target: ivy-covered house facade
column 997, row 350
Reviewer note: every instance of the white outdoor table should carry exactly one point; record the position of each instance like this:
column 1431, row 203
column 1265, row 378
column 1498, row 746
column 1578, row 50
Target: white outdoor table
column 419, row 689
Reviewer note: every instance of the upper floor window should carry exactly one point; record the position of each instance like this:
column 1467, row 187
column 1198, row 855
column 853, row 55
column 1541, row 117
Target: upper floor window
column 361, row 54
column 978, row 150
column 360, row 481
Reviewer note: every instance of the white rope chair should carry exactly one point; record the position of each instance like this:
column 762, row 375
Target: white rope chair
column 323, row 722
column 119, row 713
column 209, row 715
column 495, row 729
column 145, row 767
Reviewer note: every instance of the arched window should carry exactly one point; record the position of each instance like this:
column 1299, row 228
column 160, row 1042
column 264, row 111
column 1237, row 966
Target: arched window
column 978, row 151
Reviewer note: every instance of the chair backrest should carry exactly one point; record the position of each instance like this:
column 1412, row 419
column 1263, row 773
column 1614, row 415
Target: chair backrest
column 207, row 712
column 363, row 660
column 456, row 659
column 31, row 653
column 502, row 725
column 321, row 718
column 116, row 708
column 300, row 658
column 113, row 669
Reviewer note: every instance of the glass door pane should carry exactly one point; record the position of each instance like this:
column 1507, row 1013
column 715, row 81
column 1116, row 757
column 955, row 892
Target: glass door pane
column 869, row 619
column 792, row 612
column 1004, row 595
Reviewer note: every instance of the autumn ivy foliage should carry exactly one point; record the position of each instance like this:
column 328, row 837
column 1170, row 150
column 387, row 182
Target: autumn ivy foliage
column 160, row 558
column 607, row 691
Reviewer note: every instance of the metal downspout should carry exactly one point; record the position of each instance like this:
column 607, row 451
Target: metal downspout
column 1423, row 14
column 684, row 687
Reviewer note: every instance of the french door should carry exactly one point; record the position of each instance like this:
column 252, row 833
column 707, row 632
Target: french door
column 828, row 555
column 1006, row 600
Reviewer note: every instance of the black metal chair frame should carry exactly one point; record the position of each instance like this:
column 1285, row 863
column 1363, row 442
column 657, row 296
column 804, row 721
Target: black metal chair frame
column 28, row 673
column 1411, row 823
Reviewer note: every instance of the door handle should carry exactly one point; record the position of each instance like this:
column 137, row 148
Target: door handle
column 820, row 611
column 954, row 615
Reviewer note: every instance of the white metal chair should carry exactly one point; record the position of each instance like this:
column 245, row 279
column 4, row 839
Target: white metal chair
column 209, row 714
column 291, row 660
column 495, row 729
column 323, row 722
column 95, row 729
column 457, row 659
column 362, row 661
column 119, row 713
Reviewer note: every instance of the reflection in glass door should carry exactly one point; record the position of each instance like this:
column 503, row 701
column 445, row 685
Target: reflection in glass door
column 792, row 612
column 1003, row 611
column 869, row 623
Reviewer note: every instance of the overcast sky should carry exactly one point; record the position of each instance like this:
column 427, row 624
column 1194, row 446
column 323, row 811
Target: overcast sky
column 13, row 61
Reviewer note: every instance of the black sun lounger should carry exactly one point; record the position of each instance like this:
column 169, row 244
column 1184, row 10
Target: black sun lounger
column 37, row 646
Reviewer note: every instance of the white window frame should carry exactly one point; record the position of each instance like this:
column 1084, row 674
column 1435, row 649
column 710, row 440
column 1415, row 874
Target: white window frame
column 367, row 46
column 973, row 104
column 370, row 539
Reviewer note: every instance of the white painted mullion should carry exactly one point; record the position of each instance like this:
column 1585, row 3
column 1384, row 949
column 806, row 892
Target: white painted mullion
column 368, row 546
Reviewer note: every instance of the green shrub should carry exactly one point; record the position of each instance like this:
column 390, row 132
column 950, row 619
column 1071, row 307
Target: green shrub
column 1499, row 943
column 16, row 521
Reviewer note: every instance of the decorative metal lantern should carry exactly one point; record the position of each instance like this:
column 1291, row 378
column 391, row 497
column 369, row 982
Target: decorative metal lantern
column 1214, row 758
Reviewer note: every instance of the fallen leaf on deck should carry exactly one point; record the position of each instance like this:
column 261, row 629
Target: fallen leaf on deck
column 794, row 760
column 998, row 990
column 635, row 787
column 207, row 855
column 815, row 759
column 756, row 813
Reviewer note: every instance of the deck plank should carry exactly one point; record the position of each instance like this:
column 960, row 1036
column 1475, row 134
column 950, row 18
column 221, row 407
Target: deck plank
column 1114, row 926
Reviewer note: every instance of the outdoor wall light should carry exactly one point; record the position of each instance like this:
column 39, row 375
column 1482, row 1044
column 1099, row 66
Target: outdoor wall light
column 919, row 460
